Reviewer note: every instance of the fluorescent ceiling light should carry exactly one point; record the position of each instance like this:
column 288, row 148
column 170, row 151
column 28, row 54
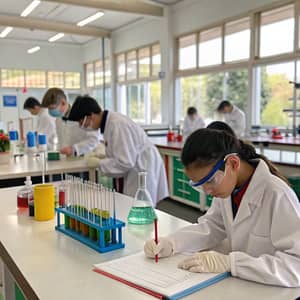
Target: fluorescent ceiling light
column 34, row 49
column 90, row 19
column 56, row 37
column 5, row 32
column 30, row 8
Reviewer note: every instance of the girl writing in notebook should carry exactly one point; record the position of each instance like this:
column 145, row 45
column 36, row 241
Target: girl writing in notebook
column 253, row 207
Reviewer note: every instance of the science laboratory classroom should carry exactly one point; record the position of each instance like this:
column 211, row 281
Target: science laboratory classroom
column 149, row 149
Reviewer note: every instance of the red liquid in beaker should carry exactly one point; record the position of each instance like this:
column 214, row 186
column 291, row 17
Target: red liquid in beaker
column 22, row 202
column 62, row 199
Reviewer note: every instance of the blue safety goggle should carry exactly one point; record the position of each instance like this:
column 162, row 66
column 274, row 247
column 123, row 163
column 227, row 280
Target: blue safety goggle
column 213, row 171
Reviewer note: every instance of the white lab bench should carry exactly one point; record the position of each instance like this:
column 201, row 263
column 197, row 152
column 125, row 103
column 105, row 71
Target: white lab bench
column 26, row 165
column 48, row 265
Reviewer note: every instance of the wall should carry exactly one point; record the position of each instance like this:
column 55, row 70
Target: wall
column 92, row 50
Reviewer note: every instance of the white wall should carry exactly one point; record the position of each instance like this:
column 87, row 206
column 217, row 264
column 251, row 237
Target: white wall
column 92, row 50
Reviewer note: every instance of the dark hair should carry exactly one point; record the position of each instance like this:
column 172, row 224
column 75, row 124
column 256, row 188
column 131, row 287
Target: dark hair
column 191, row 110
column 218, row 125
column 206, row 146
column 31, row 102
column 222, row 105
column 83, row 106
column 53, row 97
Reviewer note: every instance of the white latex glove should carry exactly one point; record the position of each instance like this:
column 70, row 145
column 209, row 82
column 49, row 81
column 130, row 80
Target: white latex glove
column 100, row 151
column 93, row 162
column 164, row 248
column 206, row 262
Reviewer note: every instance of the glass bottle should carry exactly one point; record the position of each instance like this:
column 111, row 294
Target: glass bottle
column 142, row 211
column 25, row 194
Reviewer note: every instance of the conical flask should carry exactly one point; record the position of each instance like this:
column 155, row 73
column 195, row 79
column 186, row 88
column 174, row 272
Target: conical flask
column 142, row 211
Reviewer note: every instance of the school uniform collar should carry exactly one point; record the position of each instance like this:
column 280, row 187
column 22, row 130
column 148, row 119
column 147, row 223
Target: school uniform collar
column 103, row 121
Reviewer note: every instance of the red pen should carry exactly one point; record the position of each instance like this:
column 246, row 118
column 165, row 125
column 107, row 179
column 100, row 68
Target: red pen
column 155, row 237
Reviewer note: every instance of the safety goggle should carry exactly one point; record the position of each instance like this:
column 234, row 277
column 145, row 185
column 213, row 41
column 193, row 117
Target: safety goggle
column 83, row 122
column 214, row 178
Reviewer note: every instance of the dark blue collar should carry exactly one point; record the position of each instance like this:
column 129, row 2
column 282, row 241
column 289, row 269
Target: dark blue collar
column 103, row 121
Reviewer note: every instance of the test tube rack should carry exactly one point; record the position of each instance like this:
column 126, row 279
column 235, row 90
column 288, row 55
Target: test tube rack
column 97, row 232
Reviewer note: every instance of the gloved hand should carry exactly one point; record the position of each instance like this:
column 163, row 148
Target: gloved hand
column 93, row 162
column 206, row 262
column 164, row 248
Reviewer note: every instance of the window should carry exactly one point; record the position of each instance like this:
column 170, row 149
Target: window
column 121, row 67
column 98, row 73
column 72, row 80
column 55, row 79
column 105, row 100
column 237, row 40
column 273, row 94
column 210, row 47
column 187, row 52
column 144, row 62
column 206, row 91
column 12, row 78
column 131, row 66
column 89, row 73
column 156, row 60
column 107, row 72
column 35, row 79
column 141, row 102
column 277, row 31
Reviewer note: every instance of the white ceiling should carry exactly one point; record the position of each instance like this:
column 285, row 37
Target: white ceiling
column 51, row 11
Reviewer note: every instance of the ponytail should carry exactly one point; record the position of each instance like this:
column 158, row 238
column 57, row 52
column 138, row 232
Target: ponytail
column 248, row 152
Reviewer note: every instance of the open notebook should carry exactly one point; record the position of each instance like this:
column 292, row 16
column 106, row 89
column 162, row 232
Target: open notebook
column 162, row 279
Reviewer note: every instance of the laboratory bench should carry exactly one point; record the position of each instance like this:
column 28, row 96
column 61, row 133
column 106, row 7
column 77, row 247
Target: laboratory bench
column 28, row 165
column 285, row 153
column 48, row 265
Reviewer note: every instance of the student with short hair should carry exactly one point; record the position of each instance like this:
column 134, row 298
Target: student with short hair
column 45, row 123
column 253, row 207
column 192, row 122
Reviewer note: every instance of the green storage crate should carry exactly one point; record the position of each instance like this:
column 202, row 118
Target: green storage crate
column 295, row 183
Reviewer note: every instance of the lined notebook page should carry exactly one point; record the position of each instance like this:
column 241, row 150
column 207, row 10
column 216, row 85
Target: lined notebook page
column 163, row 277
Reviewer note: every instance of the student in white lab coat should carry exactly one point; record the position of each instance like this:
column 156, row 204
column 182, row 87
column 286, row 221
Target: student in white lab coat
column 128, row 149
column 72, row 139
column 192, row 122
column 253, row 207
column 233, row 116
column 45, row 123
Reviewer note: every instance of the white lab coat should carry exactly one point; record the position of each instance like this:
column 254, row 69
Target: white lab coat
column 70, row 134
column 236, row 120
column 129, row 151
column 264, row 237
column 190, row 126
column 46, row 125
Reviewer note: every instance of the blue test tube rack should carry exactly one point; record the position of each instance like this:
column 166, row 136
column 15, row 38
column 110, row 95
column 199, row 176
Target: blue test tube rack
column 108, row 231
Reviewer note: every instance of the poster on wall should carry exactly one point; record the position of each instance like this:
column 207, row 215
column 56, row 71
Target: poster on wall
column 9, row 101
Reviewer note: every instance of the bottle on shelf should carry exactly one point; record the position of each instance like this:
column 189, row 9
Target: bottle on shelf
column 142, row 211
column 14, row 142
column 170, row 135
column 25, row 194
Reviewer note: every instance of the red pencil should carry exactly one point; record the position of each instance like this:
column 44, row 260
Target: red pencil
column 155, row 237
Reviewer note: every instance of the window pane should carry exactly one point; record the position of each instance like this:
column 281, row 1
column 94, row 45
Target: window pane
column 210, row 47
column 187, row 52
column 155, row 102
column 72, row 80
column 273, row 93
column 89, row 72
column 277, row 31
column 156, row 60
column 55, row 79
column 135, row 103
column 98, row 73
column 105, row 101
column 35, row 79
column 144, row 62
column 237, row 40
column 12, row 78
column 121, row 67
column 107, row 71
column 131, row 70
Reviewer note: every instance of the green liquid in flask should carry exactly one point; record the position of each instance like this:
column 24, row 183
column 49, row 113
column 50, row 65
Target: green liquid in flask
column 141, row 215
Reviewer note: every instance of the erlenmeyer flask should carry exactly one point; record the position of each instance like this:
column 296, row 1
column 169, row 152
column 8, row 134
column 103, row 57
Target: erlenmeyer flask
column 142, row 211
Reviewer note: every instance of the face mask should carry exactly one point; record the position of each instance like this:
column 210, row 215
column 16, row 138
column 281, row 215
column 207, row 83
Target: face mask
column 56, row 113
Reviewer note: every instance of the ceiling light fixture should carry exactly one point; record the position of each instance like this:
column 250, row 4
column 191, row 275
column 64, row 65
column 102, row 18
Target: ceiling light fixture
column 5, row 32
column 30, row 8
column 56, row 37
column 90, row 19
column 34, row 49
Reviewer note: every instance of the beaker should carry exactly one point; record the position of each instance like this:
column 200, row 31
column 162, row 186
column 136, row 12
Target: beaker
column 142, row 211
